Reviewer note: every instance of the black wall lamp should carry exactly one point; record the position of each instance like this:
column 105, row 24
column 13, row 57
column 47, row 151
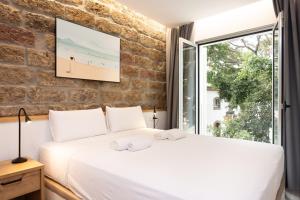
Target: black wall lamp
column 154, row 117
column 20, row 159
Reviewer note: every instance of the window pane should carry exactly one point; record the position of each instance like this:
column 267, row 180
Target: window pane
column 189, row 87
column 238, row 88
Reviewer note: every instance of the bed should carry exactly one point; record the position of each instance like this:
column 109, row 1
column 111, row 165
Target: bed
column 196, row 167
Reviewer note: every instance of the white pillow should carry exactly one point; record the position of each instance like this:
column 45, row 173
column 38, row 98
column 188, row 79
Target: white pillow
column 121, row 119
column 76, row 124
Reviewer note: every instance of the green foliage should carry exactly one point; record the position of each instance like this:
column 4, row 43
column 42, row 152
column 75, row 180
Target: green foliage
column 244, row 80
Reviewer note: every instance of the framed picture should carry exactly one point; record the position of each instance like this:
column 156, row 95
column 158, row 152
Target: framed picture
column 84, row 53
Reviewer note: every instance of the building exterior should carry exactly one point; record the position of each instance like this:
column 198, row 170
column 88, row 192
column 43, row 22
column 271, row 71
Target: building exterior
column 216, row 109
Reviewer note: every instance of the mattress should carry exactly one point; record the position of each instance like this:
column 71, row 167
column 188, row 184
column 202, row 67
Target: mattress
column 196, row 167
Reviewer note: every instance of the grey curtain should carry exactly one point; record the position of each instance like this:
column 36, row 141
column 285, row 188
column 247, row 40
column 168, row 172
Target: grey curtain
column 291, row 89
column 184, row 31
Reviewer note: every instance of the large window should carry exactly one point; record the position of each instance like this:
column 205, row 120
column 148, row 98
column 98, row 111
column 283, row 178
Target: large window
column 236, row 88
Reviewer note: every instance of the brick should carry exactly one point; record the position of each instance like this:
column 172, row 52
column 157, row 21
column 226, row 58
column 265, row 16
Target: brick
column 91, row 106
column 161, row 46
column 127, row 58
column 160, row 66
column 16, row 35
column 83, row 96
column 9, row 14
column 149, row 30
column 4, row 2
column 50, row 7
column 155, row 55
column 73, row 2
column 12, row 95
column 114, row 4
column 110, row 96
column 147, row 74
column 129, row 71
column 133, row 98
column 97, row 8
column 162, row 104
column 158, row 86
column 143, row 62
column 12, row 54
column 43, row 59
column 50, row 42
column 133, row 47
column 138, row 84
column 66, row 106
column 106, row 26
column 147, row 41
column 37, row 109
column 80, row 17
column 6, row 110
column 121, row 18
column 156, row 34
column 160, row 76
column 129, row 33
column 87, row 84
column 39, row 22
column 151, row 97
column 120, row 87
column 155, row 99
column 11, row 75
column 47, row 78
column 30, row 109
column 45, row 95
column 137, row 49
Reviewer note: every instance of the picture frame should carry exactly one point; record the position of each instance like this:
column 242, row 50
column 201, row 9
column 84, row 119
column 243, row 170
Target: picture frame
column 84, row 53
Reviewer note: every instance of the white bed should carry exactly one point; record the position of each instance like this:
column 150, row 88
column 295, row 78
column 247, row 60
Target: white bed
column 196, row 167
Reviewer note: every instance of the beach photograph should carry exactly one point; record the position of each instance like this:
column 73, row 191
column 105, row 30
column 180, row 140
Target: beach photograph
column 95, row 56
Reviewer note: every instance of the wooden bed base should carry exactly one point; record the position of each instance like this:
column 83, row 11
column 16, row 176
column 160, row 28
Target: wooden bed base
column 60, row 190
column 67, row 194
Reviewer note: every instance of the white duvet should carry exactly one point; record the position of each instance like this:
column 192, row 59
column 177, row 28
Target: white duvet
column 196, row 167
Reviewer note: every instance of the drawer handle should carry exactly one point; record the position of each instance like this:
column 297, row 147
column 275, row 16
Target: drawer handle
column 10, row 182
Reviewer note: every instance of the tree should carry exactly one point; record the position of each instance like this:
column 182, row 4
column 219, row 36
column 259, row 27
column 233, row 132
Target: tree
column 242, row 72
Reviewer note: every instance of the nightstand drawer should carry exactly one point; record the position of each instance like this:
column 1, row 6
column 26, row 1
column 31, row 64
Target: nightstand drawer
column 20, row 184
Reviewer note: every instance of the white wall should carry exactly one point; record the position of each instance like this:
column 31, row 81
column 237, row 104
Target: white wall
column 37, row 133
column 251, row 16
column 161, row 123
column 212, row 114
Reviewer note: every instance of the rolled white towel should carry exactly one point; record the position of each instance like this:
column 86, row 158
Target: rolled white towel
column 131, row 143
column 172, row 134
column 161, row 135
column 140, row 143
column 176, row 136
column 121, row 144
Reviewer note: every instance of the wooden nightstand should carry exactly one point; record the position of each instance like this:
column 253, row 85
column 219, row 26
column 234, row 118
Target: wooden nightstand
column 21, row 181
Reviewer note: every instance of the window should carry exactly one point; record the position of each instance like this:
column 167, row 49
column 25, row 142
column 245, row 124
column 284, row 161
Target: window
column 240, row 72
column 217, row 103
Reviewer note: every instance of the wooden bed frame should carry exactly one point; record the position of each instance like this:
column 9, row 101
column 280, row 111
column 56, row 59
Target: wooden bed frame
column 60, row 190
column 67, row 194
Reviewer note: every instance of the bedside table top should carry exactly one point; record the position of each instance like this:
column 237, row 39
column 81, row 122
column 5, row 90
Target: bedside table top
column 8, row 169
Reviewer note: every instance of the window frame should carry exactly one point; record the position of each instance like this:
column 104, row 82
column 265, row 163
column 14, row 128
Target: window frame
column 213, row 40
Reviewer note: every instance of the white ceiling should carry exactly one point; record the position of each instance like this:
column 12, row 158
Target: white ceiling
column 176, row 12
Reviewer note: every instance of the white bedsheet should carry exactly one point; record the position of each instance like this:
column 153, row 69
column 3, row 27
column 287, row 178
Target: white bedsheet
column 196, row 167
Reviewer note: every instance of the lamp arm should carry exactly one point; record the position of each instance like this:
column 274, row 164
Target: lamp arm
column 19, row 118
column 22, row 109
column 19, row 159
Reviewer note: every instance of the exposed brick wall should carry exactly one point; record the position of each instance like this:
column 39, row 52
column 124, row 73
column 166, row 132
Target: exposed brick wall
column 27, row 58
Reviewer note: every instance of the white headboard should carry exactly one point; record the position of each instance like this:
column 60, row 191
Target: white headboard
column 37, row 133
